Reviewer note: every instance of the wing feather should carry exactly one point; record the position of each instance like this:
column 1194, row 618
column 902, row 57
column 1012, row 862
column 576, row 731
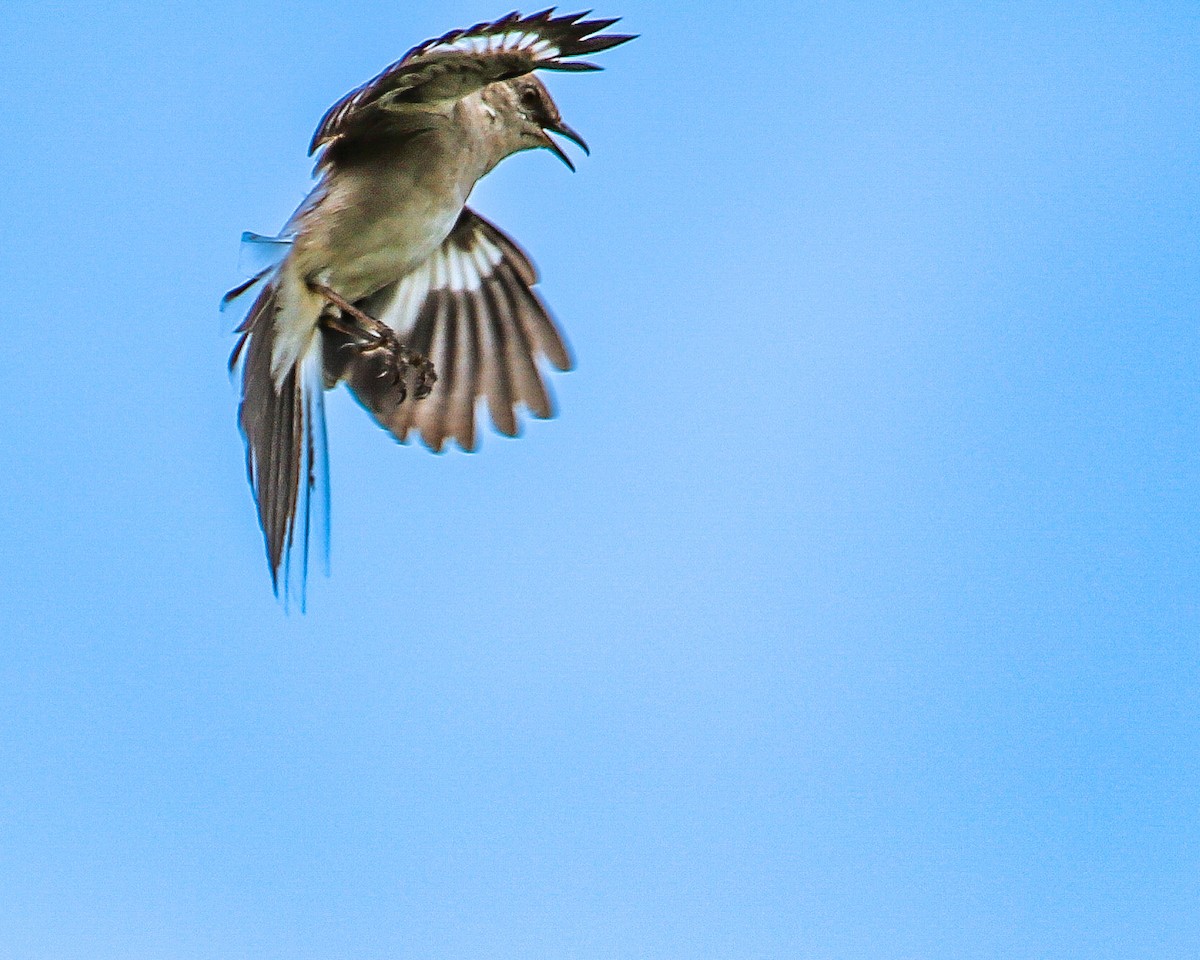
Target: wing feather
column 461, row 400
column 472, row 310
column 497, row 385
column 535, row 319
column 460, row 62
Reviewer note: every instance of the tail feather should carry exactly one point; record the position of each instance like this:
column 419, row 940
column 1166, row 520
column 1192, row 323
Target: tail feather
column 283, row 423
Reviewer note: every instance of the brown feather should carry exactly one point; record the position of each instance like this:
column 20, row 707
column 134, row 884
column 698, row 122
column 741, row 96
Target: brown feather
column 485, row 343
column 284, row 432
column 452, row 66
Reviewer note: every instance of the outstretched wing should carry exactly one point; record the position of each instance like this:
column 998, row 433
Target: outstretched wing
column 463, row 61
column 471, row 309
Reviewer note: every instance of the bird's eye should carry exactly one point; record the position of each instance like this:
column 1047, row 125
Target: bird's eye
column 530, row 100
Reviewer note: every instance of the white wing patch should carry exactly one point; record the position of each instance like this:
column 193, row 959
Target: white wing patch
column 509, row 42
column 471, row 309
column 451, row 269
column 455, row 65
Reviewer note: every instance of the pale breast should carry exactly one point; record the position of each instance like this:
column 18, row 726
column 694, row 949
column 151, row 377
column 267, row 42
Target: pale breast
column 378, row 220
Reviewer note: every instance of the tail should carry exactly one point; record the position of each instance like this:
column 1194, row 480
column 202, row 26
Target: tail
column 282, row 417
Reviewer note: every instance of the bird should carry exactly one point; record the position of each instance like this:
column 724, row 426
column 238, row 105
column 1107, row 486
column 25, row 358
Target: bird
column 385, row 279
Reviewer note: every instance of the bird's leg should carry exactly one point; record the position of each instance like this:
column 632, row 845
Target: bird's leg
column 369, row 335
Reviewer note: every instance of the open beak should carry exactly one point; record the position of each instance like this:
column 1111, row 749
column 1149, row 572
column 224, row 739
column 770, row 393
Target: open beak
column 563, row 131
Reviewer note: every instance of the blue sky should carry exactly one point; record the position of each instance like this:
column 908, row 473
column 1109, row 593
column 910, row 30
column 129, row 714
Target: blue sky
column 848, row 609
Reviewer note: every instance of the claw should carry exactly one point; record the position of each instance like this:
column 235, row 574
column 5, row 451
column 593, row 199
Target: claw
column 426, row 377
column 397, row 361
column 369, row 335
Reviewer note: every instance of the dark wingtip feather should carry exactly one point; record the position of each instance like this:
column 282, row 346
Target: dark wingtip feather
column 567, row 36
column 570, row 66
column 606, row 42
column 493, row 365
column 241, row 288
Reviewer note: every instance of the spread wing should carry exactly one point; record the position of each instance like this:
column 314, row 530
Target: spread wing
column 472, row 310
column 463, row 61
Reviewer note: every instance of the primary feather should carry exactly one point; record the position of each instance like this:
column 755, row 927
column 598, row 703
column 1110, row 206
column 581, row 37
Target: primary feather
column 462, row 61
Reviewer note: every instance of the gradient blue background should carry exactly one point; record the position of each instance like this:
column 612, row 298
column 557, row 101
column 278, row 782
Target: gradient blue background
column 849, row 609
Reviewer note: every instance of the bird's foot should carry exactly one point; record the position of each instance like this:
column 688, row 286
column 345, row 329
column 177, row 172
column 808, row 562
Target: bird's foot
column 396, row 362
column 368, row 336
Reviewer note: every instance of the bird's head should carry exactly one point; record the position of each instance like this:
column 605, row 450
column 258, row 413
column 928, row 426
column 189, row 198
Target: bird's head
column 534, row 116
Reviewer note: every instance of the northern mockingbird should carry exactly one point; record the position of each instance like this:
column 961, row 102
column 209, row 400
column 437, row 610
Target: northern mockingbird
column 388, row 281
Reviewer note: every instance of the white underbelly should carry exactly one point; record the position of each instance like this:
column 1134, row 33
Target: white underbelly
column 387, row 249
column 376, row 231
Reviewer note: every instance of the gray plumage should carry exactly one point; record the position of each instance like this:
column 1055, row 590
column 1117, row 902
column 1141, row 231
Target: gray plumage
column 387, row 232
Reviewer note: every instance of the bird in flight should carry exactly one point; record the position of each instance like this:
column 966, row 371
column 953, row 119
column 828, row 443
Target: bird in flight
column 386, row 280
